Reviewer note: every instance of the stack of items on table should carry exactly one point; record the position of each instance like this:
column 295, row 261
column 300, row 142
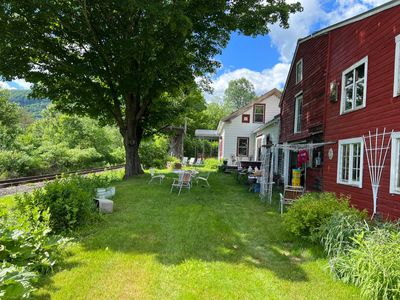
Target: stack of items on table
column 103, row 201
column 253, row 179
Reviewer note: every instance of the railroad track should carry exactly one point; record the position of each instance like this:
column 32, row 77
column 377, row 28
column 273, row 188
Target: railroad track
column 34, row 179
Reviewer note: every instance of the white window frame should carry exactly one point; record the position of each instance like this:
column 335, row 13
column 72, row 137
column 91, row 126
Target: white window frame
column 350, row 182
column 296, row 112
column 299, row 63
column 343, row 93
column 396, row 86
column 394, row 163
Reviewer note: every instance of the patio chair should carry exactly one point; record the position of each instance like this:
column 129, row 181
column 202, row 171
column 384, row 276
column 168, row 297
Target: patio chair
column 199, row 162
column 290, row 195
column 153, row 175
column 184, row 181
column 184, row 161
column 203, row 178
column 191, row 161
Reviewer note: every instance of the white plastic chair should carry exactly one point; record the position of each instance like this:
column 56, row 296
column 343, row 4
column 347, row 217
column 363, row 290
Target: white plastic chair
column 184, row 181
column 153, row 175
column 192, row 161
column 184, row 161
column 199, row 162
column 203, row 178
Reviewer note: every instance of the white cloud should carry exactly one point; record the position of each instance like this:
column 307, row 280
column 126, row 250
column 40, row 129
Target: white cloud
column 263, row 81
column 312, row 18
column 23, row 84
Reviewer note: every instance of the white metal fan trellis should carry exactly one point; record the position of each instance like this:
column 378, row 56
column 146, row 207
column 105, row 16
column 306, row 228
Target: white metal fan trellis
column 376, row 148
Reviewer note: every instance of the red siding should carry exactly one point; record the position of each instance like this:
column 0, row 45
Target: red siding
column 314, row 53
column 373, row 37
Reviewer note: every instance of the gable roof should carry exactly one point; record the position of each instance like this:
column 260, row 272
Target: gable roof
column 241, row 110
column 340, row 24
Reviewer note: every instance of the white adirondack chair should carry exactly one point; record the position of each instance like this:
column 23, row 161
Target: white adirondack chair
column 192, row 161
column 153, row 175
column 184, row 161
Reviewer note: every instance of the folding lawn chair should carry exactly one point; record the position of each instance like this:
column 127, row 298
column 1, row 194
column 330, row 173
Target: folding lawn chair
column 153, row 175
column 290, row 195
column 184, row 181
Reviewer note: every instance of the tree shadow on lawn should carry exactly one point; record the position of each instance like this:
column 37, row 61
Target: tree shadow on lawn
column 48, row 282
column 222, row 224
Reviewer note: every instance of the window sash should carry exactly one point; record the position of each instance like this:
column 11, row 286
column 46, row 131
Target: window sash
column 259, row 115
column 395, row 164
column 298, row 113
column 396, row 85
column 354, row 86
column 350, row 163
column 299, row 71
column 242, row 150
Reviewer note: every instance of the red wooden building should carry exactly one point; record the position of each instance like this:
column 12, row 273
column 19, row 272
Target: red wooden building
column 343, row 83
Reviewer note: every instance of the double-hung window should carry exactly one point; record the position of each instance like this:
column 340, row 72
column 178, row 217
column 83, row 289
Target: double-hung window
column 354, row 86
column 259, row 110
column 299, row 71
column 242, row 146
column 395, row 164
column 350, row 162
column 298, row 111
column 396, row 89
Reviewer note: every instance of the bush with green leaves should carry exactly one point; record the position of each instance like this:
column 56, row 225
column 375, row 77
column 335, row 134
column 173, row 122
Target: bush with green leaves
column 16, row 282
column 305, row 217
column 68, row 199
column 27, row 249
column 154, row 152
column 212, row 163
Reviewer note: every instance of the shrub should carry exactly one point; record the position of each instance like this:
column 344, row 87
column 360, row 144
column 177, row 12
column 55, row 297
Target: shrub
column 154, row 153
column 68, row 199
column 373, row 264
column 17, row 163
column 308, row 213
column 212, row 163
column 16, row 282
column 26, row 249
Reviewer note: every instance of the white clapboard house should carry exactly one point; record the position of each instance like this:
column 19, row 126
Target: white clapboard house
column 245, row 131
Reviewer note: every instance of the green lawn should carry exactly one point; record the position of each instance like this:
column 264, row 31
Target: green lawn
column 211, row 243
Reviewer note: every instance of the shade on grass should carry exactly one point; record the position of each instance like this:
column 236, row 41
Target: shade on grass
column 211, row 243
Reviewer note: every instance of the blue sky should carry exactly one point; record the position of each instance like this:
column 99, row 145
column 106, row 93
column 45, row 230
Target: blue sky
column 265, row 60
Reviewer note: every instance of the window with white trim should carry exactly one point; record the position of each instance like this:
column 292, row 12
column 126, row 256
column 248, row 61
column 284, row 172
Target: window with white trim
column 242, row 146
column 354, row 86
column 298, row 111
column 350, row 162
column 396, row 88
column 299, row 71
column 395, row 164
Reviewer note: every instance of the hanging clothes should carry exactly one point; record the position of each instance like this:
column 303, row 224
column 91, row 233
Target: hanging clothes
column 302, row 158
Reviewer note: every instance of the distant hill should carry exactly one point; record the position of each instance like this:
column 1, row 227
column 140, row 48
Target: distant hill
column 32, row 105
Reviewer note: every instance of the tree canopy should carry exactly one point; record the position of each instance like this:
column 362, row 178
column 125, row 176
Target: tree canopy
column 239, row 93
column 118, row 60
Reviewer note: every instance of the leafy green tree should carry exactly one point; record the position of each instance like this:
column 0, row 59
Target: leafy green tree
column 115, row 60
column 10, row 117
column 239, row 93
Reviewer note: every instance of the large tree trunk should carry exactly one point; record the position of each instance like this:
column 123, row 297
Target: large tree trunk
column 132, row 159
column 132, row 137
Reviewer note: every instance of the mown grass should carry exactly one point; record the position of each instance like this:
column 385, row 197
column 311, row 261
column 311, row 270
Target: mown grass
column 212, row 243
